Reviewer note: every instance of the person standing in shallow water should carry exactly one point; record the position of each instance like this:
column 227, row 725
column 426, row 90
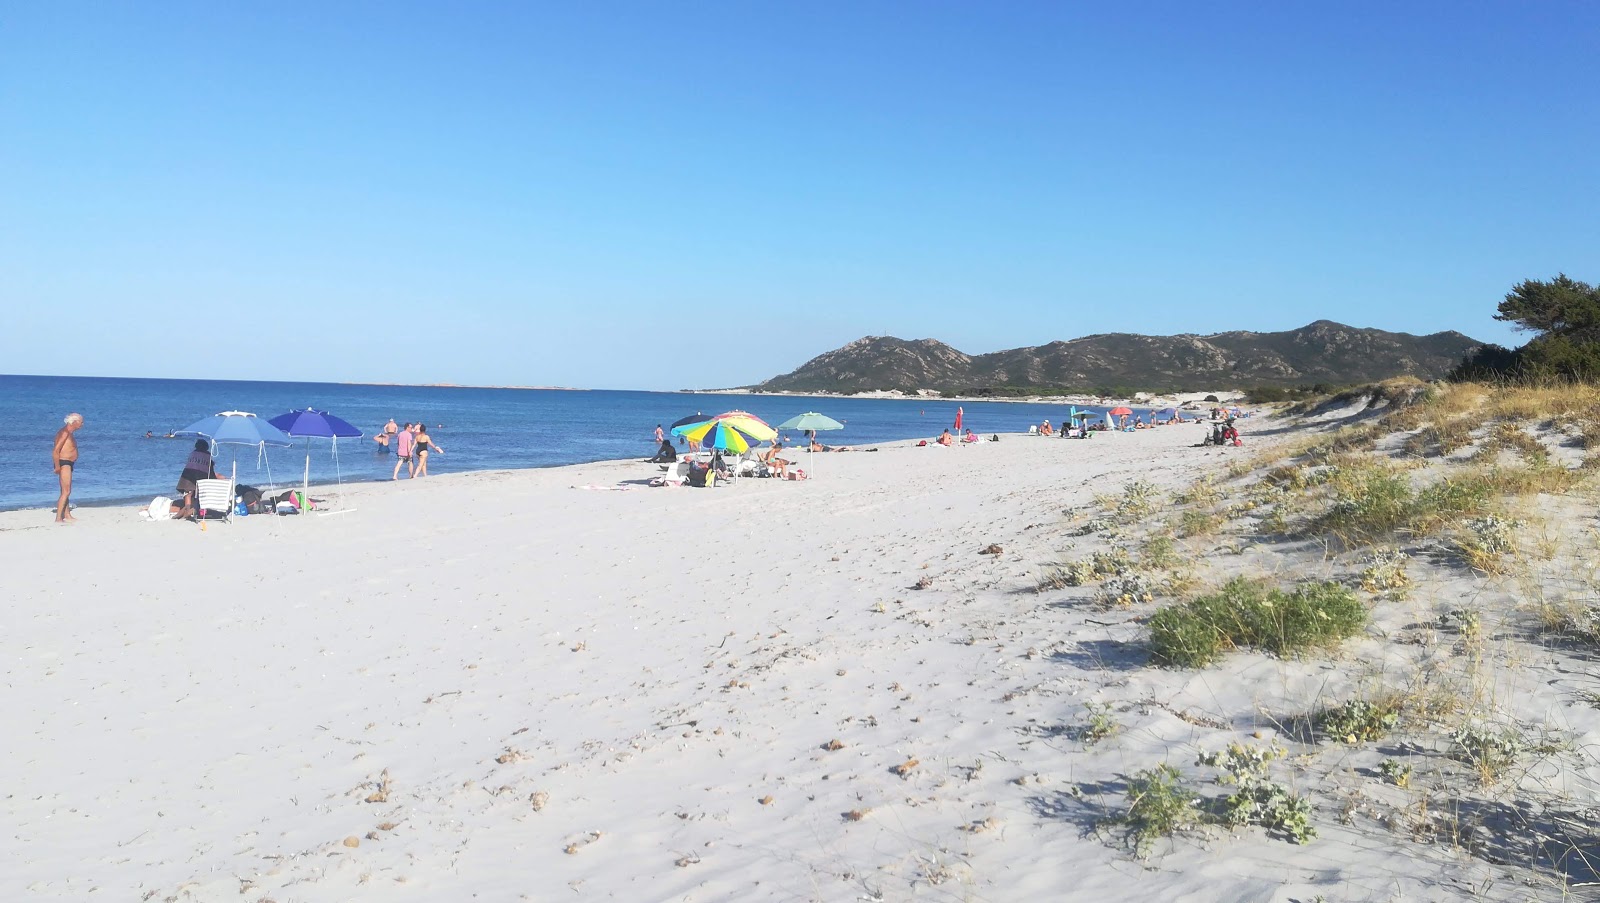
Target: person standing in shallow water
column 66, row 457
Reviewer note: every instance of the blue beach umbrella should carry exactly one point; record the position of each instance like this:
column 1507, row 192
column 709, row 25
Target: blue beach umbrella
column 239, row 428
column 314, row 424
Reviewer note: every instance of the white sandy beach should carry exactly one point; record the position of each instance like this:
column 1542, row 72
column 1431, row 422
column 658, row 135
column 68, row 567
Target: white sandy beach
column 583, row 694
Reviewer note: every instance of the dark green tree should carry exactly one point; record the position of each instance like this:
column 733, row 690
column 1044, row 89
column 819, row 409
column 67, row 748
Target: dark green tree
column 1560, row 307
column 1564, row 315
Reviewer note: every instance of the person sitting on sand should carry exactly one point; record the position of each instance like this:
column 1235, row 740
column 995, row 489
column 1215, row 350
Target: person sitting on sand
column 970, row 437
column 1046, row 430
column 945, row 439
column 199, row 466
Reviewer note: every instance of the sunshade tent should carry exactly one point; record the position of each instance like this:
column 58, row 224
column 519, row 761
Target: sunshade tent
column 314, row 424
column 811, row 420
column 239, row 428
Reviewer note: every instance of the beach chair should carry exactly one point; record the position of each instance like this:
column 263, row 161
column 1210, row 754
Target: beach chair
column 214, row 495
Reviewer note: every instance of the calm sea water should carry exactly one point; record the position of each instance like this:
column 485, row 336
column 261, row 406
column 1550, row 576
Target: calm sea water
column 479, row 429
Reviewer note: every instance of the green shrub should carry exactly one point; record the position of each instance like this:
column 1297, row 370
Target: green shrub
column 1372, row 504
column 1247, row 613
column 1360, row 720
column 1258, row 800
column 1159, row 805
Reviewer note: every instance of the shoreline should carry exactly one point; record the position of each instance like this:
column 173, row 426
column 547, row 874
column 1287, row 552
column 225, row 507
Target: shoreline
column 1150, row 400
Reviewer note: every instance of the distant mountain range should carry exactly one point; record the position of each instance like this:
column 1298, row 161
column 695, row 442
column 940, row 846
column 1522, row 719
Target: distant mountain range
column 1321, row 352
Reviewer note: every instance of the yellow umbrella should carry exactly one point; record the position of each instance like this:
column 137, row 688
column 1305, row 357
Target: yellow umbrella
column 747, row 423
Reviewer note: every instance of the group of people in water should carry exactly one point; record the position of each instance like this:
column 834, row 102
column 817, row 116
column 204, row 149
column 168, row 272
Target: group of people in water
column 412, row 445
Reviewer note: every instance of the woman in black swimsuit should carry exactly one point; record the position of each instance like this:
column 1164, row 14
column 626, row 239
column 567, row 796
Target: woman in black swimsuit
column 424, row 444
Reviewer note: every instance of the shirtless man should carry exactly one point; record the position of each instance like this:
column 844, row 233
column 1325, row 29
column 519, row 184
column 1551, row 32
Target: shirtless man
column 66, row 458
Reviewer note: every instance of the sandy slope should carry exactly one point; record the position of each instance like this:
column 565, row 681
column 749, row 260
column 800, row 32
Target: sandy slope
column 203, row 714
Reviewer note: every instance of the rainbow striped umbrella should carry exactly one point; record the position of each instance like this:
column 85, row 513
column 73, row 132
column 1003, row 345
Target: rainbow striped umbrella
column 748, row 427
column 722, row 436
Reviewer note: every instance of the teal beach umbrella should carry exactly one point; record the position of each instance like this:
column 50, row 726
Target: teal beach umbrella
column 810, row 420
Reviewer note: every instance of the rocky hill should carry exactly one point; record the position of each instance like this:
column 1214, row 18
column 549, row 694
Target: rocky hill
column 1321, row 352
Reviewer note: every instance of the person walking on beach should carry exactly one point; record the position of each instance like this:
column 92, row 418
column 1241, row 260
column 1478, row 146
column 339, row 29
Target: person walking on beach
column 65, row 456
column 402, row 453
column 423, row 445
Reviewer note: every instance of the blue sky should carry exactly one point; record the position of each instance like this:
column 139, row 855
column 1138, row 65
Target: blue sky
column 664, row 195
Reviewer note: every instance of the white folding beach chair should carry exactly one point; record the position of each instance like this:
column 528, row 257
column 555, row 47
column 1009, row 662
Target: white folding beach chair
column 214, row 495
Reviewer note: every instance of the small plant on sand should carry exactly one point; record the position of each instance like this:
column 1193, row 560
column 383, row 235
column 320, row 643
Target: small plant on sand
column 1159, row 805
column 1139, row 498
column 1489, row 752
column 1360, row 720
column 1161, row 552
column 1396, row 772
column 1580, row 622
column 1203, row 492
column 1245, row 612
column 1385, row 573
column 1052, row 578
column 1468, row 624
column 1127, row 589
column 1368, row 504
column 1485, row 541
column 1099, row 724
column 1259, row 800
column 1195, row 522
column 1092, row 525
column 1109, row 563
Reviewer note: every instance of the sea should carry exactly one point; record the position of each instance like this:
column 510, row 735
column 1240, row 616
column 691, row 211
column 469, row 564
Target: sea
column 477, row 428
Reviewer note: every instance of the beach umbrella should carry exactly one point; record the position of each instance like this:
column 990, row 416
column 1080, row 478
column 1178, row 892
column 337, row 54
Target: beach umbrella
column 696, row 417
column 811, row 420
column 239, row 428
column 314, row 424
column 752, row 427
column 749, row 424
column 959, row 414
column 1120, row 411
column 724, row 437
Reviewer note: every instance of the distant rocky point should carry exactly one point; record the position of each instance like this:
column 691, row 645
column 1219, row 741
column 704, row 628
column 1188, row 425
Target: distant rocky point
column 1321, row 352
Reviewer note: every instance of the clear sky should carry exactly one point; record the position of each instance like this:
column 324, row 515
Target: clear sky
column 664, row 195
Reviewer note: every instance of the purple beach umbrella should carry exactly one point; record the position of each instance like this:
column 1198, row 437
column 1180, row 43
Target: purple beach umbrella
column 314, row 424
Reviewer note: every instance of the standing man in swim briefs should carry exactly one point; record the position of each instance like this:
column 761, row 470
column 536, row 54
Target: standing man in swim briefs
column 66, row 458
